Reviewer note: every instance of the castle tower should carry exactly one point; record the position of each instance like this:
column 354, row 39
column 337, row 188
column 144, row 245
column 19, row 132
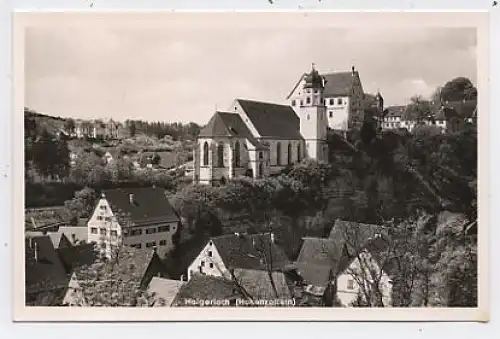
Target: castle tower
column 313, row 119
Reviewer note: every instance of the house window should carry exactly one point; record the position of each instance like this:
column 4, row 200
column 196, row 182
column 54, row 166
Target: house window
column 151, row 244
column 220, row 155
column 209, row 253
column 308, row 100
column 289, row 153
column 339, row 101
column 164, row 229
column 298, row 152
column 103, row 231
column 202, row 264
column 293, row 102
column 150, row 230
column 278, row 153
column 99, row 217
column 301, row 102
column 114, row 233
column 136, row 232
column 330, row 114
column 350, row 284
column 102, row 207
column 331, row 102
column 107, row 218
column 163, row 242
column 205, row 154
column 237, row 154
column 211, row 265
column 93, row 230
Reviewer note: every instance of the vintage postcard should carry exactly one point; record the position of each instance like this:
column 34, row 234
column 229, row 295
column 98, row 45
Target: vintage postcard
column 251, row 166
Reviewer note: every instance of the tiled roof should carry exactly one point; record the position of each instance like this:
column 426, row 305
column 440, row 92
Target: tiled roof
column 201, row 287
column 77, row 256
column 75, row 234
column 395, row 111
column 461, row 109
column 224, row 124
column 272, row 120
column 339, row 83
column 353, row 235
column 318, row 260
column 46, row 279
column 253, row 251
column 150, row 205
column 164, row 290
column 57, row 238
column 258, row 284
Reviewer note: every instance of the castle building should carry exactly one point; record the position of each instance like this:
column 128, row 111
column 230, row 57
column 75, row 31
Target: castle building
column 343, row 99
column 256, row 139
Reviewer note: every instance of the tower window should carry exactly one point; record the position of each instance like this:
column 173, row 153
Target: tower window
column 298, row 152
column 330, row 114
column 301, row 102
column 289, row 153
column 205, row 154
column 261, row 155
column 331, row 102
column 293, row 102
column 339, row 101
column 308, row 100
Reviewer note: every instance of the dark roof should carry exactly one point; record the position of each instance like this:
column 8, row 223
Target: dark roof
column 58, row 239
column 258, row 284
column 45, row 277
column 201, row 287
column 339, row 83
column 395, row 111
column 354, row 235
column 272, row 120
column 318, row 260
column 224, row 124
column 255, row 251
column 150, row 206
column 77, row 256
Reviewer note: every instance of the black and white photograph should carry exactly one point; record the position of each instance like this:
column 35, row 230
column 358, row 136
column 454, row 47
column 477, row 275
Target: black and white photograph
column 250, row 160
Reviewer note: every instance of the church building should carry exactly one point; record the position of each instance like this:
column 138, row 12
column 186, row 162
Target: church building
column 256, row 139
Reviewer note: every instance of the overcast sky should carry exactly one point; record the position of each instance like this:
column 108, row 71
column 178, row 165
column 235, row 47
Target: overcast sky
column 184, row 73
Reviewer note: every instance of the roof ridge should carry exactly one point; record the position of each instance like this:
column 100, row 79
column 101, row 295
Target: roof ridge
column 262, row 102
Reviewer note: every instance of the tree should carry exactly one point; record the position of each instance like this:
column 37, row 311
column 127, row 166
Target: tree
column 418, row 109
column 82, row 204
column 458, row 89
column 69, row 125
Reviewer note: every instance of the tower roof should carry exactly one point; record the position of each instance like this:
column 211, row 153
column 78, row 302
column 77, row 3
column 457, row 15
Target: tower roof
column 313, row 79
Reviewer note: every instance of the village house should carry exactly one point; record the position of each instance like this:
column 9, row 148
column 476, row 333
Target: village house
column 338, row 270
column 223, row 254
column 256, row 139
column 343, row 97
column 133, row 267
column 136, row 217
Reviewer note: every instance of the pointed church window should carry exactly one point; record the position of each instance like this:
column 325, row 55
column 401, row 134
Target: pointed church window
column 298, row 152
column 220, row 155
column 205, row 154
column 237, row 154
column 289, row 153
column 278, row 153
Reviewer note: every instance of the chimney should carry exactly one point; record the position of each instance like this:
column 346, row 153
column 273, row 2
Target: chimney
column 131, row 198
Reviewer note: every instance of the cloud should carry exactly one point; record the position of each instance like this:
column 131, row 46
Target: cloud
column 181, row 73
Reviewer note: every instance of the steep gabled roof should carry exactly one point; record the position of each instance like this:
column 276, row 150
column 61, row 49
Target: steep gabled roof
column 45, row 277
column 75, row 234
column 203, row 287
column 339, row 83
column 150, row 206
column 272, row 120
column 164, row 290
column 258, row 284
column 250, row 251
column 223, row 124
column 58, row 239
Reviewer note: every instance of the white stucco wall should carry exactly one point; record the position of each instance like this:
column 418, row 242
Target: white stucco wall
column 104, row 223
column 338, row 113
column 218, row 268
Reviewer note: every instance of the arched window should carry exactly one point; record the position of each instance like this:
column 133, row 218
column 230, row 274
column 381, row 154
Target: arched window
column 220, row 155
column 205, row 154
column 289, row 153
column 298, row 152
column 278, row 153
column 237, row 154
